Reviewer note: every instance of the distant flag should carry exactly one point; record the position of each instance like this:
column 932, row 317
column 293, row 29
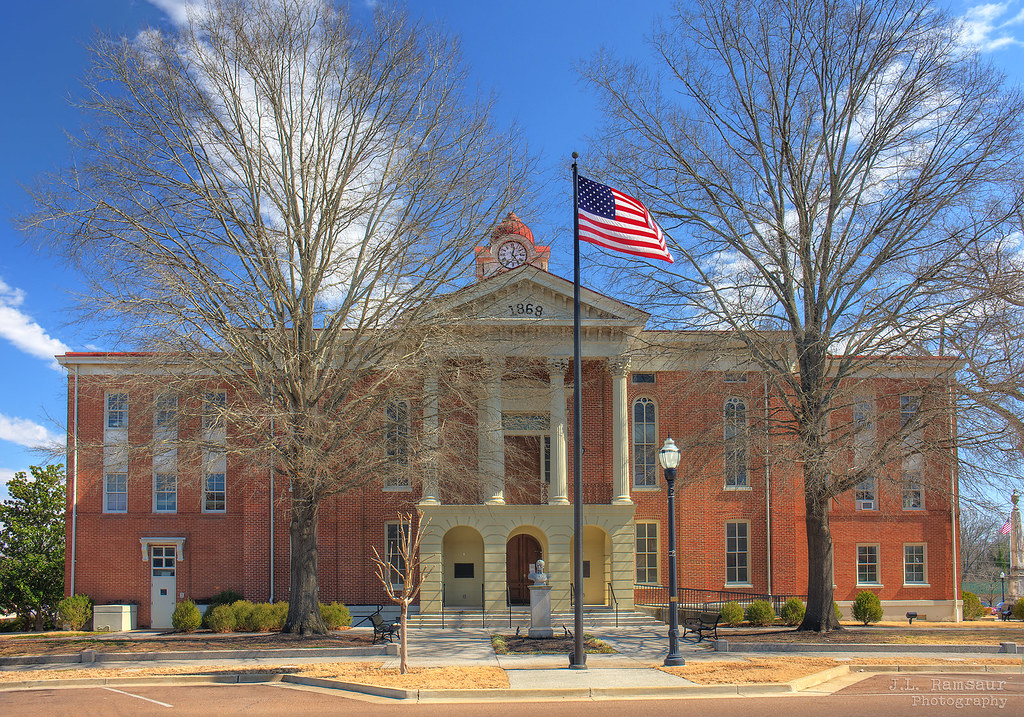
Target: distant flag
column 1005, row 529
column 616, row 221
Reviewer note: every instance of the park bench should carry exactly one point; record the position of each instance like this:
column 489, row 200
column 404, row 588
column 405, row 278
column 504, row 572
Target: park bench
column 700, row 622
column 383, row 630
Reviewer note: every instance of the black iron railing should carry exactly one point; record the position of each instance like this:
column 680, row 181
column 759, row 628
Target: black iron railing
column 615, row 603
column 704, row 600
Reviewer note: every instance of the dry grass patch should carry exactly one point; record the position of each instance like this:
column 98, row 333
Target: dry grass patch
column 771, row 670
column 367, row 673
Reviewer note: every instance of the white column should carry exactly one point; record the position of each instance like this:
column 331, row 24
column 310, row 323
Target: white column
column 491, row 437
column 559, row 491
column 619, row 369
column 431, row 439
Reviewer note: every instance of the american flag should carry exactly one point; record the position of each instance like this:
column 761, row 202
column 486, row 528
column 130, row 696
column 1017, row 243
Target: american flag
column 1005, row 529
column 616, row 221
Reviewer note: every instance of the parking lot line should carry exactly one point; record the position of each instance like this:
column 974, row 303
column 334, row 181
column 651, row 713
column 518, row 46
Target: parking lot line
column 140, row 697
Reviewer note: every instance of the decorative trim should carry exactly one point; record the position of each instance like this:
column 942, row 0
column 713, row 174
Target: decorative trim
column 178, row 543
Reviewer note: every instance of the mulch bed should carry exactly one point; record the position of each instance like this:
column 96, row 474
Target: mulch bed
column 559, row 645
column 175, row 643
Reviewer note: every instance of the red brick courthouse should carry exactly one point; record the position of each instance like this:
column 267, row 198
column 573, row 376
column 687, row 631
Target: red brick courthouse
column 150, row 530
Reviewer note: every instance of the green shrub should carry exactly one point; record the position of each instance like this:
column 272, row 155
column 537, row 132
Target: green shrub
column 266, row 617
column 973, row 609
column 867, row 607
column 1018, row 609
column 221, row 618
column 839, row 613
column 793, row 611
column 732, row 614
column 760, row 613
column 335, row 615
column 186, row 617
column 75, row 611
column 224, row 597
column 243, row 615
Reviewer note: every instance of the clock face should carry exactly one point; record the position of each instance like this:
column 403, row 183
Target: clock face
column 512, row 254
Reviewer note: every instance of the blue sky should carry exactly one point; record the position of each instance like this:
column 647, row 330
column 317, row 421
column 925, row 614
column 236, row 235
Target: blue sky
column 523, row 50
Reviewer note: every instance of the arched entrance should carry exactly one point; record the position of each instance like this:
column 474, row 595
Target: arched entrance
column 521, row 551
column 463, row 554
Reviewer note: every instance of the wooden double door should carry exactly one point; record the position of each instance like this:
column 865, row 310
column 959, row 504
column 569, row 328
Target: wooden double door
column 521, row 553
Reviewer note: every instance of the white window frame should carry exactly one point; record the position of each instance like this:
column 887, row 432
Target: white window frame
column 877, row 582
column 207, row 492
column 923, row 563
column 649, row 449
column 115, row 403
column 735, row 444
column 108, row 493
column 745, row 553
column 545, row 459
column 735, row 377
column 634, row 378
column 913, row 491
column 392, row 535
column 213, row 409
column 398, row 418
column 865, row 494
column 165, row 412
column 158, row 477
column 651, row 555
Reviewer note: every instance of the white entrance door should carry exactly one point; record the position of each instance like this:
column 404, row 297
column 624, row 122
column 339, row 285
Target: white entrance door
column 162, row 586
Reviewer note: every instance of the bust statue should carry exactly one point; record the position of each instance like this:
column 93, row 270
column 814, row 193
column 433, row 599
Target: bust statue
column 538, row 576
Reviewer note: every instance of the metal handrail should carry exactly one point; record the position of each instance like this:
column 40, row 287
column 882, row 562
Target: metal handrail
column 508, row 605
column 615, row 603
column 483, row 608
column 442, row 605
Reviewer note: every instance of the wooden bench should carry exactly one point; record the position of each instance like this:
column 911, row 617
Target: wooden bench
column 384, row 630
column 700, row 622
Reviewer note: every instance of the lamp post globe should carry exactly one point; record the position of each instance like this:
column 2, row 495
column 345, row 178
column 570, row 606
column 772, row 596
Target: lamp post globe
column 669, row 458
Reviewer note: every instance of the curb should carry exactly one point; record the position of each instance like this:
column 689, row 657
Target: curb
column 92, row 656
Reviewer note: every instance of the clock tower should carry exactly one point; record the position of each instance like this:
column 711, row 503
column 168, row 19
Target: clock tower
column 511, row 246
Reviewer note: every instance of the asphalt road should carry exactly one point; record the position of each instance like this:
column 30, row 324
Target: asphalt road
column 881, row 694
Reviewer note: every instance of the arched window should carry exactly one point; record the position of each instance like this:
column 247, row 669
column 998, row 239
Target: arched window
column 397, row 442
column 735, row 443
column 645, row 449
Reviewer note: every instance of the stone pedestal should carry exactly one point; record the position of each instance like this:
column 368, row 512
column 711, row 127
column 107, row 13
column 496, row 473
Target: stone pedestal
column 540, row 611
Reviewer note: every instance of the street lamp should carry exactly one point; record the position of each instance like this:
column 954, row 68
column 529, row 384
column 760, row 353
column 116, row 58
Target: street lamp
column 1002, row 586
column 669, row 457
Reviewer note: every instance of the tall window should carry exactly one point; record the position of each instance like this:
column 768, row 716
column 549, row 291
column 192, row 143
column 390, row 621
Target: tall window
column 398, row 430
column 865, row 494
column 215, row 494
column 165, row 492
column 735, row 443
column 867, row 565
column 393, row 533
column 645, row 449
column 909, row 406
column 165, row 413
column 545, row 459
column 913, row 492
column 737, row 553
column 914, row 572
column 117, row 410
column 647, row 553
column 213, row 409
column 115, row 493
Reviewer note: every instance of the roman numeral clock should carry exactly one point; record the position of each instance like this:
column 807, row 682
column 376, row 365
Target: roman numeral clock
column 511, row 245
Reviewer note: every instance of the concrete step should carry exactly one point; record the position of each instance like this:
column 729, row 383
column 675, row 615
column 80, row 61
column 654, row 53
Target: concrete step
column 521, row 618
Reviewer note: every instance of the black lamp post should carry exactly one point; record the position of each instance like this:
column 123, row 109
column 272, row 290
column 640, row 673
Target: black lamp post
column 669, row 457
column 1002, row 586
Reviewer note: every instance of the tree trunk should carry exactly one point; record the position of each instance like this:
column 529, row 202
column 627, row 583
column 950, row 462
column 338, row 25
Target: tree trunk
column 820, row 614
column 304, row 603
column 403, row 639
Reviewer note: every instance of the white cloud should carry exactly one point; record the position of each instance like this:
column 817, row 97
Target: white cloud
column 176, row 10
column 988, row 26
column 24, row 333
column 27, row 433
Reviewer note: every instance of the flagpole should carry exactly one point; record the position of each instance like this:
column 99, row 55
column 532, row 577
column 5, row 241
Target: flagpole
column 578, row 659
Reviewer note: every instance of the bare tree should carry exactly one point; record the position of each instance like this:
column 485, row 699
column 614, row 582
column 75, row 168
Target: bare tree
column 403, row 568
column 268, row 199
column 818, row 167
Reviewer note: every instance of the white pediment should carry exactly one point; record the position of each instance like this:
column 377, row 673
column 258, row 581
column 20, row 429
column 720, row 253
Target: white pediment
column 531, row 296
